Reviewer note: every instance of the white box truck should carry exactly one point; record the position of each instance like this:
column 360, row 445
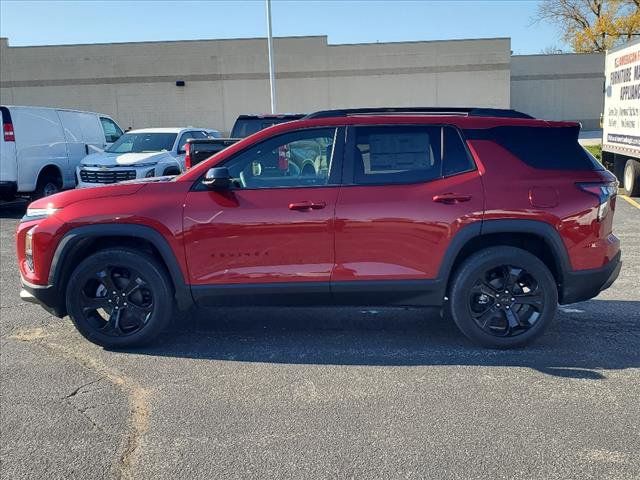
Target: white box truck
column 621, row 115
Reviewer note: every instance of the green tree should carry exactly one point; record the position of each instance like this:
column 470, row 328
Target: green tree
column 593, row 25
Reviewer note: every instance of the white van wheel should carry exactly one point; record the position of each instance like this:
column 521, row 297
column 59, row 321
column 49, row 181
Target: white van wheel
column 631, row 176
column 49, row 183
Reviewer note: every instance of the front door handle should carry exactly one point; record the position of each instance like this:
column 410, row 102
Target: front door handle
column 451, row 198
column 307, row 206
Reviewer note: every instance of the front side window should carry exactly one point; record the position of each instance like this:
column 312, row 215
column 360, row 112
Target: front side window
column 296, row 159
column 143, row 142
column 407, row 154
column 111, row 131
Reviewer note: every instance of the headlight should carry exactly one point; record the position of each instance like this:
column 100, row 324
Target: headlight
column 33, row 213
column 28, row 250
column 140, row 165
column 150, row 173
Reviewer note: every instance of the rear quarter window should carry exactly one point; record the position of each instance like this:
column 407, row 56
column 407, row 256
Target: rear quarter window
column 549, row 148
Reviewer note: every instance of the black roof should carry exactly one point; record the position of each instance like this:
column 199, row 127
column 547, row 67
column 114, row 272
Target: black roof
column 467, row 111
column 292, row 116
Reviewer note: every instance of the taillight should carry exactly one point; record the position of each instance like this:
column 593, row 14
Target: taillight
column 604, row 191
column 7, row 129
column 187, row 155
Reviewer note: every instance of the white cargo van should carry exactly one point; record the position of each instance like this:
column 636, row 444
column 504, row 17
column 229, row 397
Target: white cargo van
column 40, row 147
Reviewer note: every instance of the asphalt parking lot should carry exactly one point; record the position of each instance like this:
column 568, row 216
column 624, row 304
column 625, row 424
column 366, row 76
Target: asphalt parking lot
column 324, row 393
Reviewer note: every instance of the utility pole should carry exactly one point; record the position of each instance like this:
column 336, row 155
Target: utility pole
column 272, row 76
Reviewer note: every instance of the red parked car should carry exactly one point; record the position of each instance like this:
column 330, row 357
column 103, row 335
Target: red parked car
column 491, row 214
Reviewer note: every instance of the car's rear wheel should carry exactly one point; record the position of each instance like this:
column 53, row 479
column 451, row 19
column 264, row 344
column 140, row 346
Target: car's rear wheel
column 503, row 297
column 119, row 298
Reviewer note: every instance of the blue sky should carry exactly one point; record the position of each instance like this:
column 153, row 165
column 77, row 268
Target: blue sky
column 55, row 22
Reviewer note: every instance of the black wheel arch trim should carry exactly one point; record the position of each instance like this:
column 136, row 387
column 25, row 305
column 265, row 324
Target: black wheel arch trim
column 520, row 226
column 73, row 237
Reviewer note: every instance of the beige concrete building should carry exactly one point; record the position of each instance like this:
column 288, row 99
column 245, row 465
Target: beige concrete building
column 136, row 82
column 559, row 87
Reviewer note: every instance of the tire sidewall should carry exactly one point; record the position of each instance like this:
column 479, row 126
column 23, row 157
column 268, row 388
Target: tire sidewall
column 632, row 166
column 152, row 273
column 466, row 276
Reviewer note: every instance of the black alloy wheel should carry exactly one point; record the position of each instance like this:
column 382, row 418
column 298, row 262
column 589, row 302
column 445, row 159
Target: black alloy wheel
column 117, row 301
column 502, row 297
column 506, row 301
column 120, row 297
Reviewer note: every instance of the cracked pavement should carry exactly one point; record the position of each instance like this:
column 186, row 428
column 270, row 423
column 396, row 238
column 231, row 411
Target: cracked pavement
column 323, row 393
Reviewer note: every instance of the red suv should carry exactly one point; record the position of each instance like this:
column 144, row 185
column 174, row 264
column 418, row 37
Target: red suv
column 493, row 215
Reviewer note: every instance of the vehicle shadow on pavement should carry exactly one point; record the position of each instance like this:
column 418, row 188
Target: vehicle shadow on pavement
column 586, row 338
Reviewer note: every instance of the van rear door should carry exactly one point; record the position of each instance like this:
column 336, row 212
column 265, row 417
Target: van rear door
column 8, row 165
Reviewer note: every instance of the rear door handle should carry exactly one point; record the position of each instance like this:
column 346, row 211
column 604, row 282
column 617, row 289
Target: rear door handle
column 307, row 206
column 451, row 198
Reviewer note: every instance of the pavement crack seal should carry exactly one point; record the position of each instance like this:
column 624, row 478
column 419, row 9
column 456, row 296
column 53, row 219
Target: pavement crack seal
column 137, row 396
column 81, row 387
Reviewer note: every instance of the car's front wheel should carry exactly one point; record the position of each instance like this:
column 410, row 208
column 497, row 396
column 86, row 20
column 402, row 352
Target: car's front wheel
column 119, row 298
column 503, row 297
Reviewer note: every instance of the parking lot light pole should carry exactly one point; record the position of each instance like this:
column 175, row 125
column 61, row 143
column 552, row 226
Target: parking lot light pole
column 272, row 77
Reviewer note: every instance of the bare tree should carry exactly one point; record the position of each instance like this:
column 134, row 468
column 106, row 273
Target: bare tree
column 593, row 25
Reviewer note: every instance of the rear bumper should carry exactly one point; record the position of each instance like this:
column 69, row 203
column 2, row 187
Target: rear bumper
column 44, row 295
column 585, row 284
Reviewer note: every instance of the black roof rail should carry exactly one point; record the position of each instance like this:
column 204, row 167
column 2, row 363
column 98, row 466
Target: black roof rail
column 467, row 111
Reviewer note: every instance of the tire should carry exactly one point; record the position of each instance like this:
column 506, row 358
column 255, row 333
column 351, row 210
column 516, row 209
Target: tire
column 631, row 178
column 489, row 316
column 120, row 298
column 48, row 184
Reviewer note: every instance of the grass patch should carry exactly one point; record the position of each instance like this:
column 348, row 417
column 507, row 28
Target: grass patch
column 596, row 151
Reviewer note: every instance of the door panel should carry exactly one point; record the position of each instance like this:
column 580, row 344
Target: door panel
column 398, row 232
column 39, row 142
column 421, row 188
column 275, row 224
column 252, row 236
column 74, row 132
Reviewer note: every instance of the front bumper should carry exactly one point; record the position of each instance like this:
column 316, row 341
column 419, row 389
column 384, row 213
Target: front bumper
column 90, row 176
column 44, row 295
column 582, row 285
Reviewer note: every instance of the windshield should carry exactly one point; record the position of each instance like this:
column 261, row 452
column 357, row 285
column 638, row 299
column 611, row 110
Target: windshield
column 143, row 142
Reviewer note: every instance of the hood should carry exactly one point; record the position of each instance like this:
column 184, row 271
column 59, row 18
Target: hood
column 63, row 199
column 113, row 159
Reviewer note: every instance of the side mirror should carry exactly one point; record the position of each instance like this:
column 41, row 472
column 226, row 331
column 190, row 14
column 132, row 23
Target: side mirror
column 181, row 151
column 217, row 178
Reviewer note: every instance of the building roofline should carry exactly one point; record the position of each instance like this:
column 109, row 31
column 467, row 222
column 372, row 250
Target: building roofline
column 558, row 54
column 293, row 37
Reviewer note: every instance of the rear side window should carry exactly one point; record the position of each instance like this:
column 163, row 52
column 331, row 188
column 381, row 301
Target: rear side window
column 550, row 148
column 407, row 154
